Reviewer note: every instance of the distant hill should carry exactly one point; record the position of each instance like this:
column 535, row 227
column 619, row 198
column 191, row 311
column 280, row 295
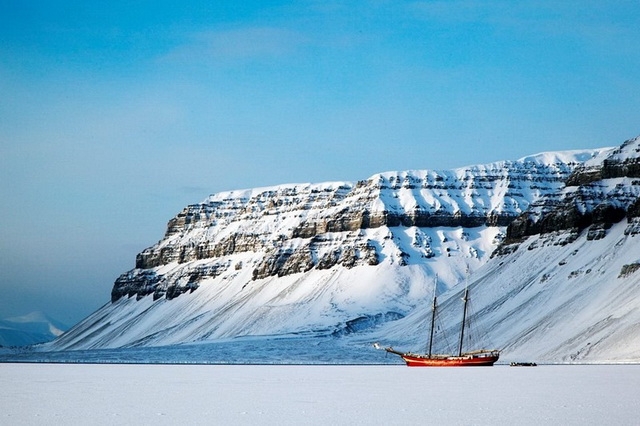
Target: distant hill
column 35, row 327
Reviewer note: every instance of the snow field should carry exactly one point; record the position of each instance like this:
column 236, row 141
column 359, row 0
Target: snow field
column 73, row 394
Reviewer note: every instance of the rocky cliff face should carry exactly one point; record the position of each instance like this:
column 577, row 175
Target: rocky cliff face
column 601, row 192
column 293, row 229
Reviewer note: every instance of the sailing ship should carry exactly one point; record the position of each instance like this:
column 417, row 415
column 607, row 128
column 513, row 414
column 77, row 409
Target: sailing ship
column 482, row 357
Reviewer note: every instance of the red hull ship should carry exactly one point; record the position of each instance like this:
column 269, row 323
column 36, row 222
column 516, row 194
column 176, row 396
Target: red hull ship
column 480, row 358
column 475, row 359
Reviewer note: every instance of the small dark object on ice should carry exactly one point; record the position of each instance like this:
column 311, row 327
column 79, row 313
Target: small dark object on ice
column 523, row 364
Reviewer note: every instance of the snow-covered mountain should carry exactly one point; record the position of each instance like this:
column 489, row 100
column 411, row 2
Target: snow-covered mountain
column 565, row 285
column 336, row 258
column 34, row 327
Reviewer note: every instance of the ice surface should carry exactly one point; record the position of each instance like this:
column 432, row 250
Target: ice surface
column 72, row 394
column 248, row 350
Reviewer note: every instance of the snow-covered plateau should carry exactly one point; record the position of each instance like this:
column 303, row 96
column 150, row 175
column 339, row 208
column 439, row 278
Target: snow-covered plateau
column 72, row 394
column 548, row 246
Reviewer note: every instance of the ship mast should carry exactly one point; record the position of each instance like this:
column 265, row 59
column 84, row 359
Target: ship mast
column 433, row 314
column 464, row 318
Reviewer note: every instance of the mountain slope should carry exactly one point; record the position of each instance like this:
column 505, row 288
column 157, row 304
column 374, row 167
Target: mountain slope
column 565, row 286
column 333, row 258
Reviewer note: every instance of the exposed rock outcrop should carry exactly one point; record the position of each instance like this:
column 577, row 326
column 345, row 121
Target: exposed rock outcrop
column 598, row 194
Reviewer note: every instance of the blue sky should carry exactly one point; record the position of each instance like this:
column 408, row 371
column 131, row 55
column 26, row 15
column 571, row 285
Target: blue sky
column 115, row 115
